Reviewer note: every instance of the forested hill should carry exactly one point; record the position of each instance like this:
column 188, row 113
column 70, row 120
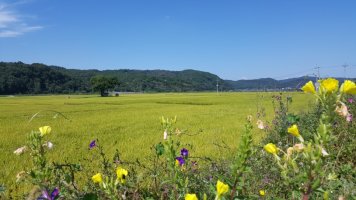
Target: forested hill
column 21, row 78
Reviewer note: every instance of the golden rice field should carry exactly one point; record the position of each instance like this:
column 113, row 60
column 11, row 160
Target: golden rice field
column 129, row 123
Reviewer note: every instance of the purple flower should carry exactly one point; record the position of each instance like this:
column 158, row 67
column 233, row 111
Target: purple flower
column 55, row 193
column 92, row 144
column 349, row 118
column 180, row 161
column 46, row 196
column 210, row 178
column 350, row 100
column 184, row 152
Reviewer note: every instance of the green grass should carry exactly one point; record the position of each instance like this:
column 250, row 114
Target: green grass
column 129, row 123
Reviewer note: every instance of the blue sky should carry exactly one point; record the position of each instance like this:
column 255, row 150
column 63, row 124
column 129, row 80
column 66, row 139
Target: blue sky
column 234, row 39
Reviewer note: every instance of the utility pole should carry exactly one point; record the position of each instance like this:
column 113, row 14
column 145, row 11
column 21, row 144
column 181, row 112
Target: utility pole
column 318, row 78
column 344, row 66
column 318, row 68
column 217, row 86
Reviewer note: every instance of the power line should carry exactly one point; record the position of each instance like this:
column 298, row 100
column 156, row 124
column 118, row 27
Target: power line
column 317, row 73
column 294, row 74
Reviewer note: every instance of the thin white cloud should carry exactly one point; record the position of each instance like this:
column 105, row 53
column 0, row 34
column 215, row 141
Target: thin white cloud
column 7, row 33
column 6, row 19
column 13, row 24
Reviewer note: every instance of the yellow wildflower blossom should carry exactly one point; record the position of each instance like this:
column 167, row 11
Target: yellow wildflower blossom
column 191, row 197
column 221, row 188
column 97, row 178
column 330, row 85
column 271, row 148
column 309, row 87
column 262, row 192
column 44, row 130
column 121, row 175
column 348, row 87
column 294, row 130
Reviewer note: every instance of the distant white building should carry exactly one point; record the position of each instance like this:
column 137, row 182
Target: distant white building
column 114, row 93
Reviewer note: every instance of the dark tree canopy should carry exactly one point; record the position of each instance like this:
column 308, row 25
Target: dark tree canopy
column 103, row 84
column 21, row 78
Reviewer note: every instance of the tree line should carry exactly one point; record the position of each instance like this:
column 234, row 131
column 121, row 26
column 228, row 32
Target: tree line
column 36, row 78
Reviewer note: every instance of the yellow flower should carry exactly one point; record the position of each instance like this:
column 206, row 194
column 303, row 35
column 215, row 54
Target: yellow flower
column 262, row 192
column 44, row 130
column 329, row 85
column 191, row 197
column 348, row 87
column 97, row 178
column 294, row 130
column 271, row 148
column 221, row 188
column 309, row 87
column 121, row 174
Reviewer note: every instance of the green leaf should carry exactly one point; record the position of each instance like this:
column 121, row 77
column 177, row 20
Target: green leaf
column 159, row 149
column 2, row 188
column 90, row 196
column 292, row 119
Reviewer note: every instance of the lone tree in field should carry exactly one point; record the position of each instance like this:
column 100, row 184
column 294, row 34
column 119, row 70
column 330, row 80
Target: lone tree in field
column 103, row 84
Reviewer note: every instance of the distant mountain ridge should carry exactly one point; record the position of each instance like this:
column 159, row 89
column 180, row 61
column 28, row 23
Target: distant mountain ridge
column 269, row 83
column 21, row 78
column 272, row 84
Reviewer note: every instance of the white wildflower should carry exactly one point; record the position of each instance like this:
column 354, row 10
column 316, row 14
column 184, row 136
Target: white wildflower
column 260, row 124
column 342, row 110
column 49, row 145
column 165, row 135
column 298, row 147
column 20, row 176
column 323, row 151
column 20, row 150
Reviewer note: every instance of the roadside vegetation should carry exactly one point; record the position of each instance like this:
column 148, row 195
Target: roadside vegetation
column 232, row 146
